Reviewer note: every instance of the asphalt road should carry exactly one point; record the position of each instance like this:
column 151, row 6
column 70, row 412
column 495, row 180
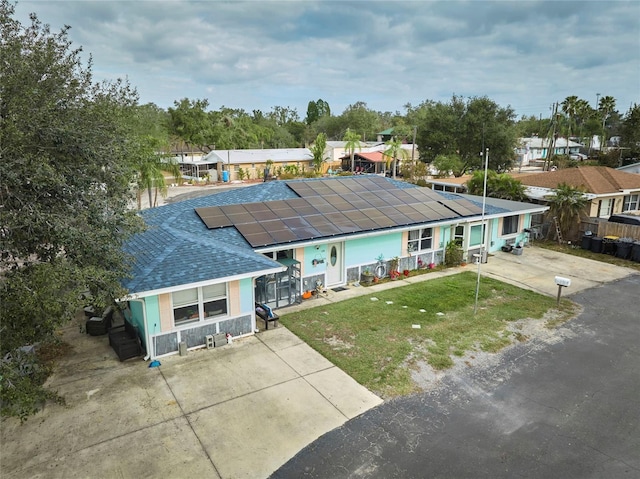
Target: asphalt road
column 564, row 407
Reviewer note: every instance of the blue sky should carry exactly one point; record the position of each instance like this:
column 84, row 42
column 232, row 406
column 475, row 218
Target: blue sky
column 261, row 54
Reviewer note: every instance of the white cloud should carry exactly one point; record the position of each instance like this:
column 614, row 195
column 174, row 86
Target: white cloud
column 256, row 55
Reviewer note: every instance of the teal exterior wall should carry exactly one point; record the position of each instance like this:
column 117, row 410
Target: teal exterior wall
column 315, row 260
column 246, row 296
column 367, row 250
column 137, row 319
column 153, row 314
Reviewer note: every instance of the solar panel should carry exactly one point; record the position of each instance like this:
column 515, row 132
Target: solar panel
column 333, row 207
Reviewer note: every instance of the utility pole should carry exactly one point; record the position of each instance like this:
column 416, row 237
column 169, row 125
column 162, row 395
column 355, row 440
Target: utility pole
column 551, row 139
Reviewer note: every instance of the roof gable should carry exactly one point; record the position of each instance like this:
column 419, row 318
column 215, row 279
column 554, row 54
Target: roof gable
column 593, row 179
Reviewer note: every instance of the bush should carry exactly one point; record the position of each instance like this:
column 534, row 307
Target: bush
column 22, row 375
column 452, row 254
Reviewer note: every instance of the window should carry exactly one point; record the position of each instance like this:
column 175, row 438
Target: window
column 509, row 225
column 605, row 208
column 476, row 236
column 458, row 235
column 419, row 240
column 185, row 306
column 190, row 305
column 214, row 300
column 631, row 203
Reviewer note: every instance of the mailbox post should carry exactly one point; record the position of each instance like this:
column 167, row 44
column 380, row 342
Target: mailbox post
column 562, row 283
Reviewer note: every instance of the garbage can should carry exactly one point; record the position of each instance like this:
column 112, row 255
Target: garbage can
column 623, row 249
column 596, row 244
column 225, row 176
column 635, row 252
column 609, row 244
column 586, row 242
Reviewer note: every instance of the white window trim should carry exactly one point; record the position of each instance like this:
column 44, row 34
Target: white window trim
column 201, row 318
column 419, row 240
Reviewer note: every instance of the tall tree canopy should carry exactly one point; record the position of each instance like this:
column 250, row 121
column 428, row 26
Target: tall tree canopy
column 64, row 182
column 499, row 185
column 463, row 128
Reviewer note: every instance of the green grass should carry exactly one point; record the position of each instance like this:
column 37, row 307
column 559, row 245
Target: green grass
column 375, row 342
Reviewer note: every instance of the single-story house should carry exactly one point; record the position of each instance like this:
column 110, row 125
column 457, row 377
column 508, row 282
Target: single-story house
column 632, row 168
column 231, row 165
column 201, row 265
column 535, row 148
column 610, row 191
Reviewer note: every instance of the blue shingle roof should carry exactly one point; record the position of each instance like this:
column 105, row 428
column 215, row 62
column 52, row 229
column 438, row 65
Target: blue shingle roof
column 177, row 248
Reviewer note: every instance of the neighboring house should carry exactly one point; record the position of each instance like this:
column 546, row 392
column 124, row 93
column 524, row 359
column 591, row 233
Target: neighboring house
column 202, row 264
column 373, row 160
column 633, row 168
column 454, row 184
column 253, row 162
column 610, row 191
column 535, row 148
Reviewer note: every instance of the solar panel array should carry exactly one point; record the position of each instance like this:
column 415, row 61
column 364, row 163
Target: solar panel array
column 334, row 207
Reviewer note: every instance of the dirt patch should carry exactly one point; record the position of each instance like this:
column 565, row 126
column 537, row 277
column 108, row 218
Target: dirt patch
column 535, row 332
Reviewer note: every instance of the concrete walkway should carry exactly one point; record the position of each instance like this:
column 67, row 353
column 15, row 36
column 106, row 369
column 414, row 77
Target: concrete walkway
column 240, row 411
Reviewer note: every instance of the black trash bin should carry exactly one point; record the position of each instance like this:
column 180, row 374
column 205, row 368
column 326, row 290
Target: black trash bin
column 586, row 242
column 623, row 249
column 635, row 252
column 609, row 245
column 596, row 244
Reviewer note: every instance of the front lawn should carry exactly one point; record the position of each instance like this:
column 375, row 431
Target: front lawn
column 374, row 338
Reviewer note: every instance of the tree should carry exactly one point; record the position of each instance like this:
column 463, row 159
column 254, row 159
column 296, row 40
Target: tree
column 394, row 149
column 463, row 128
column 352, row 141
column 630, row 132
column 447, row 165
column 189, row 121
column 64, row 190
column 318, row 152
column 499, row 185
column 569, row 106
column 567, row 204
column 316, row 110
column 606, row 107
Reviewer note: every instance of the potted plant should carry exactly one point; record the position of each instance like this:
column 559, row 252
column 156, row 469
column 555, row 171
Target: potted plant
column 367, row 276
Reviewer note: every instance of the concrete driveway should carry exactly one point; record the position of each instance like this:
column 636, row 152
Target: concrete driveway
column 239, row 411
column 536, row 268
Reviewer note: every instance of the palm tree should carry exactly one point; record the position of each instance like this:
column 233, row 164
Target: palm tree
column 149, row 165
column 569, row 106
column 318, row 152
column 606, row 106
column 352, row 141
column 567, row 205
column 393, row 151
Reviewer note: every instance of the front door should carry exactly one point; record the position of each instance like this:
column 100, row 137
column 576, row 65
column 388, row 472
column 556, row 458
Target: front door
column 335, row 266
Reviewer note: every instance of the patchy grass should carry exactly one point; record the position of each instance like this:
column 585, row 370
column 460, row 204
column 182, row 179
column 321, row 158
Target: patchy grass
column 376, row 342
column 575, row 250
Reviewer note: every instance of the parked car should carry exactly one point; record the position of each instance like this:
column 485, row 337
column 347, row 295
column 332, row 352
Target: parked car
column 578, row 156
column 625, row 219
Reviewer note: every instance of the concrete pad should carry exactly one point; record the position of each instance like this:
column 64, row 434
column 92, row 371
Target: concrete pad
column 341, row 390
column 280, row 338
column 168, row 449
column 208, row 377
column 304, row 360
column 254, row 435
column 98, row 408
column 536, row 269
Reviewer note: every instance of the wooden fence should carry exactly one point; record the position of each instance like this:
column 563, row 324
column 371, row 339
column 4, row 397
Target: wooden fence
column 601, row 227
